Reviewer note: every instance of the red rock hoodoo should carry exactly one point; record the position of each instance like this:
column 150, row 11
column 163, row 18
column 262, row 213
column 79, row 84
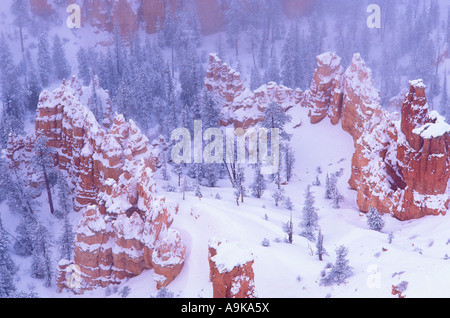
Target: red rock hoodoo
column 124, row 228
column 231, row 270
column 242, row 107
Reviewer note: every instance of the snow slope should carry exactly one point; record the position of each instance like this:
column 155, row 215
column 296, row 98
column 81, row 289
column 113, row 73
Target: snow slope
column 282, row 270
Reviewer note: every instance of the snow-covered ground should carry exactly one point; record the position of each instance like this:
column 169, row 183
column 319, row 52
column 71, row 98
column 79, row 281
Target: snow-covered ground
column 415, row 255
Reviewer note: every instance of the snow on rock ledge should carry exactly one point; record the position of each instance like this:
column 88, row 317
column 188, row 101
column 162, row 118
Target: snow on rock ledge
column 231, row 270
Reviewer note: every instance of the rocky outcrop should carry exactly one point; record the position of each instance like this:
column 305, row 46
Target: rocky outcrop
column 361, row 99
column 124, row 227
column 401, row 162
column 324, row 98
column 241, row 107
column 231, row 270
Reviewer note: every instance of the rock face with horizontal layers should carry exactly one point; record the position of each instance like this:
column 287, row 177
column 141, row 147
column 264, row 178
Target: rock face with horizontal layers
column 401, row 163
column 231, row 270
column 324, row 98
column 124, row 228
column 241, row 107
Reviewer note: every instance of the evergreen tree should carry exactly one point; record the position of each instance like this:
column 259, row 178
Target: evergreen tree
column 374, row 219
column 309, row 223
column 84, row 71
column 258, row 186
column 288, row 204
column 11, row 94
column 66, row 240
column 233, row 22
column 64, row 197
column 340, row 271
column 239, row 186
column 289, row 158
column 41, row 265
column 255, row 79
column 60, row 64
column 7, row 266
column 33, row 84
column 44, row 60
column 20, row 9
column 445, row 106
column 43, row 165
column 198, row 191
column 25, row 237
column 278, row 196
column 320, row 249
column 276, row 117
column 273, row 70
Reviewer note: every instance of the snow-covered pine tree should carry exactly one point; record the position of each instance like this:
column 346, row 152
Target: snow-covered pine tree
column 288, row 204
column 258, row 186
column 309, row 222
column 233, row 22
column 12, row 95
column 41, row 265
column 445, row 106
column 273, row 70
column 239, row 185
column 34, row 87
column 320, row 249
column 60, row 64
column 276, row 117
column 44, row 60
column 340, row 271
column 288, row 228
column 278, row 196
column 84, row 71
column 198, row 191
column 43, row 165
column 66, row 240
column 328, row 188
column 288, row 59
column 25, row 234
column 64, row 198
column 255, row 79
column 7, row 266
column 184, row 188
column 289, row 161
column 374, row 219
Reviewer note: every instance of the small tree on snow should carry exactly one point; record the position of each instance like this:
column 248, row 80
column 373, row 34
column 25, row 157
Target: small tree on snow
column 41, row 266
column 259, row 184
column 374, row 219
column 320, row 249
column 340, row 271
column 278, row 196
column 309, row 222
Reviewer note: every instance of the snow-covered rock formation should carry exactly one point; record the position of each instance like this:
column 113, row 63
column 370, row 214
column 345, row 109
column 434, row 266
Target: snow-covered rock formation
column 242, row 107
column 231, row 270
column 124, row 228
column 401, row 163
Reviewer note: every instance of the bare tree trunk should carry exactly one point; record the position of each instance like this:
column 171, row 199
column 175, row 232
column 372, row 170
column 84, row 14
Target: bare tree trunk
column 49, row 192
